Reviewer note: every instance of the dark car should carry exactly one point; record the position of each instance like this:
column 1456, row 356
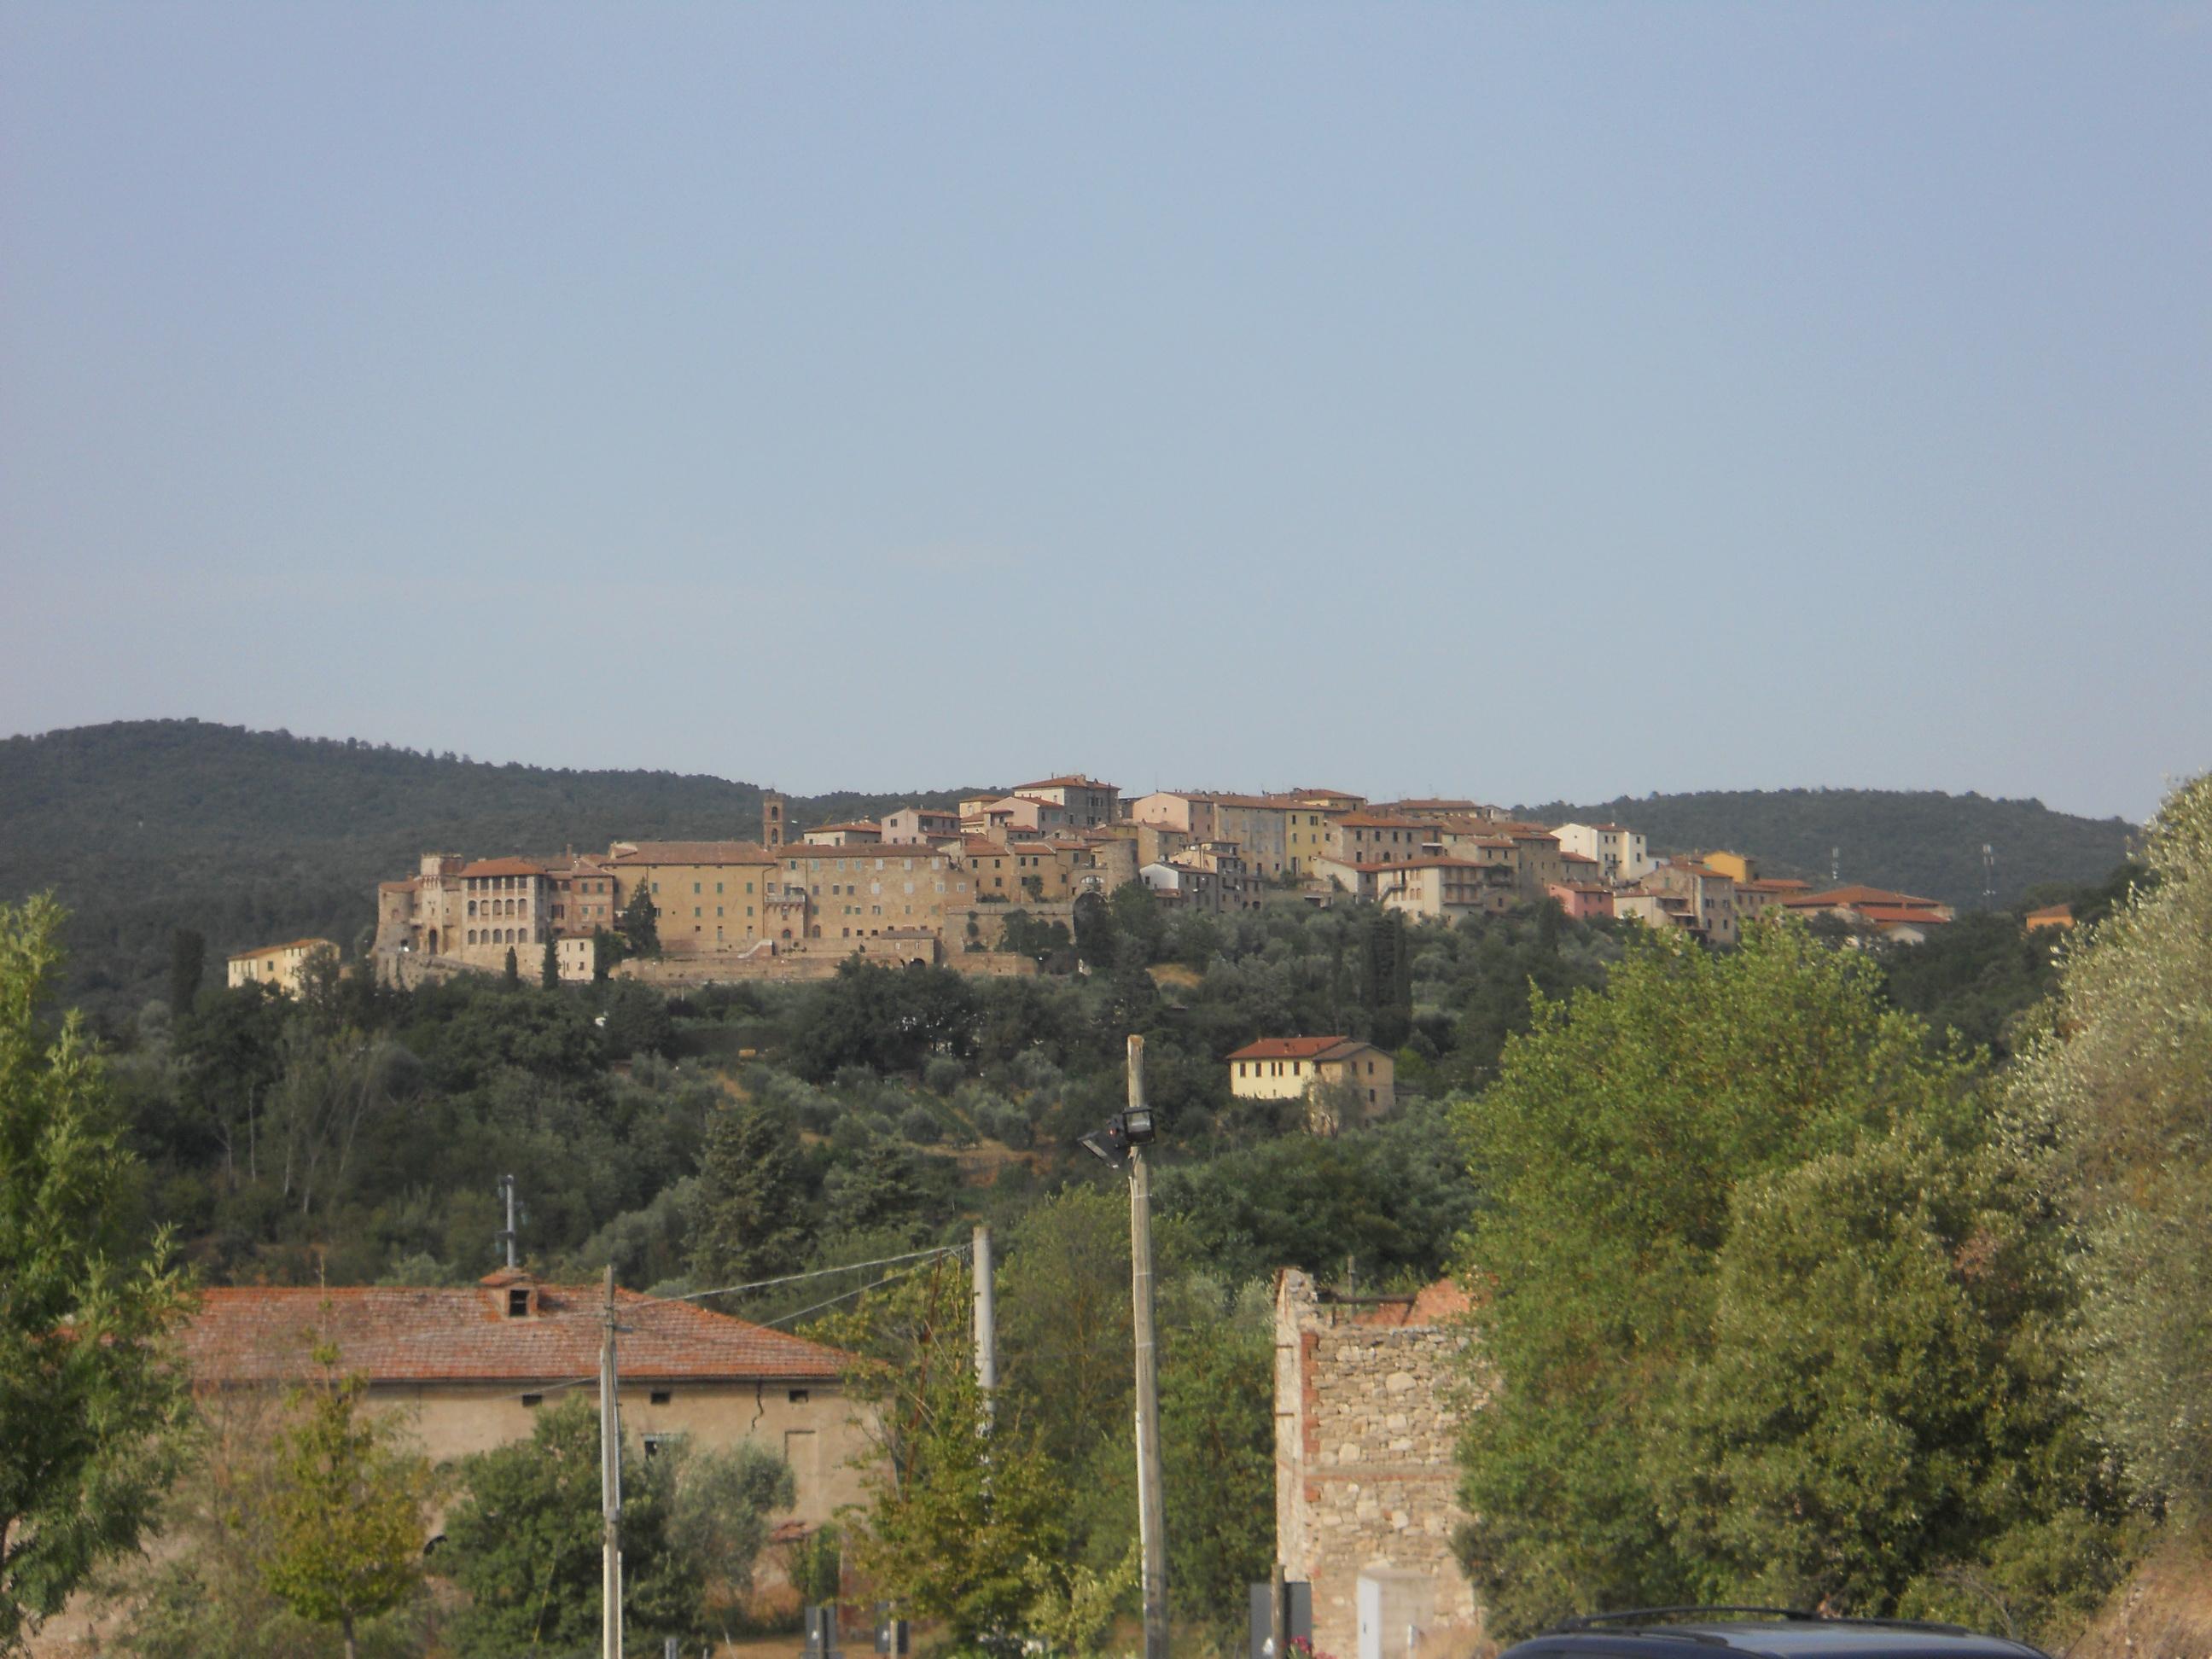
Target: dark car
column 1774, row 1632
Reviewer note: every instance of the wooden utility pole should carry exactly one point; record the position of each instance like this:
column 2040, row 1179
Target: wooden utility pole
column 610, row 1637
column 987, row 1322
column 1151, row 1520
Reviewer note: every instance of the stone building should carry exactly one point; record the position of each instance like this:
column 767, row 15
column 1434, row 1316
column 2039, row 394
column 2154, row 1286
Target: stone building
column 1368, row 1397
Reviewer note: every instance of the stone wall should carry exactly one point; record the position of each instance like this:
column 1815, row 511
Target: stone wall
column 1369, row 1398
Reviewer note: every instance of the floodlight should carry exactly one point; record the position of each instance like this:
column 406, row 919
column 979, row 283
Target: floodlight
column 1136, row 1125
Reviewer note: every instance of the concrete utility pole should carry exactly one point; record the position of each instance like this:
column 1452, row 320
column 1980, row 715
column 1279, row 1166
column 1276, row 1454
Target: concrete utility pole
column 1152, row 1520
column 610, row 1638
column 986, row 1324
column 506, row 1187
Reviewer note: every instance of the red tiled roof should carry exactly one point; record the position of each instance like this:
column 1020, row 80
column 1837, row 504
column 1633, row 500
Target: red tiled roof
column 862, row 824
column 288, row 944
column 1075, row 780
column 503, row 867
column 854, row 849
column 401, row 1333
column 691, row 851
column 1379, row 821
column 412, row 884
column 1300, row 1048
column 1888, row 914
column 1577, row 858
column 1857, row 897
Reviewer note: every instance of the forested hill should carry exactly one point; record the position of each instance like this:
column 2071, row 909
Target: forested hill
column 1915, row 842
column 143, row 826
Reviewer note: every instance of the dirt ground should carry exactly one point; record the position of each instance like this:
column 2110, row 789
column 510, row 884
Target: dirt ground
column 2163, row 1611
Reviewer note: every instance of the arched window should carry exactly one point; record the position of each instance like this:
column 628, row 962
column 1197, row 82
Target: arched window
column 473, row 907
column 472, row 936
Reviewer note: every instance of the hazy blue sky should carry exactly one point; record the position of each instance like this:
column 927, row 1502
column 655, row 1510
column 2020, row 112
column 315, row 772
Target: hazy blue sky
column 1527, row 401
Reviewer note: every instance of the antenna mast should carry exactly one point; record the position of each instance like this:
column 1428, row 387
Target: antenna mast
column 506, row 1190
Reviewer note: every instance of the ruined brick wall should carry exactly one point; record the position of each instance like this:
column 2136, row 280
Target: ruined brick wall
column 1369, row 1398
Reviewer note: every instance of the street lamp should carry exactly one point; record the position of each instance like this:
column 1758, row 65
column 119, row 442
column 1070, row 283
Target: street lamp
column 1125, row 1130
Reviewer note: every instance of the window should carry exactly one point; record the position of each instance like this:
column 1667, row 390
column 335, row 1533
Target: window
column 798, row 1396
column 518, row 1302
column 533, row 1400
column 659, row 1396
column 653, row 1444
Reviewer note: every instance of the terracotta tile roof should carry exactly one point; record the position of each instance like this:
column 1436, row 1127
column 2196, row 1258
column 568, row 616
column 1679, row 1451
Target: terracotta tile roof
column 689, row 852
column 853, row 849
column 403, row 1334
column 1889, row 914
column 1302, row 1048
column 503, row 867
column 1379, row 821
column 1074, row 780
column 1577, row 858
column 412, row 884
column 1859, row 897
column 288, row 944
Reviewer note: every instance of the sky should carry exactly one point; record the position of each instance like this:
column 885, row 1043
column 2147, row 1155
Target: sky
column 1526, row 402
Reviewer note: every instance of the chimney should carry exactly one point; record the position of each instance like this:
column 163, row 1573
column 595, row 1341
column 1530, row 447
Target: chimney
column 771, row 820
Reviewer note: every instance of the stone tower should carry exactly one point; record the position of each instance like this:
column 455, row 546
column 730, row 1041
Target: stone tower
column 771, row 820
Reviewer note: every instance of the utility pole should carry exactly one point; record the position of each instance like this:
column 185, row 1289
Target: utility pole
column 1151, row 1520
column 986, row 1324
column 610, row 1641
column 506, row 1188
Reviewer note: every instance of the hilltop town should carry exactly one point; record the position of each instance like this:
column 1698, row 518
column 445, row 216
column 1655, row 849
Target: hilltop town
column 942, row 887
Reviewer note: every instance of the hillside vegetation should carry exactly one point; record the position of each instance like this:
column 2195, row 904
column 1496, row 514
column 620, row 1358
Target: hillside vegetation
column 1919, row 841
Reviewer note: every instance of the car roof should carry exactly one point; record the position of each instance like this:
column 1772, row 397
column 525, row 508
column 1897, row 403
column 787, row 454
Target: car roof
column 1792, row 1638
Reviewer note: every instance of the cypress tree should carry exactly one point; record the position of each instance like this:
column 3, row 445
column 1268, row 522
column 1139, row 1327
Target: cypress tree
column 754, row 1220
column 187, row 965
column 513, row 970
column 549, row 967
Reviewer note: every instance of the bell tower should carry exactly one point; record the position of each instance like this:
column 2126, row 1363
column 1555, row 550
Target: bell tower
column 771, row 820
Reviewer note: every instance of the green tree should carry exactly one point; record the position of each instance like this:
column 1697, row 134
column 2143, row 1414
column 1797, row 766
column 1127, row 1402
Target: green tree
column 524, row 1543
column 640, row 923
column 187, row 966
column 754, row 1203
column 965, row 1521
column 1217, row 1454
column 1607, row 1153
column 1881, row 1419
column 513, row 970
column 2122, row 1075
column 90, row 1396
column 718, row 1520
column 349, row 1508
column 549, row 967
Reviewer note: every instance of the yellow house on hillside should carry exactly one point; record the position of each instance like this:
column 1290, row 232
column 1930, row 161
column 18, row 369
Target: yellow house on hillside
column 279, row 965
